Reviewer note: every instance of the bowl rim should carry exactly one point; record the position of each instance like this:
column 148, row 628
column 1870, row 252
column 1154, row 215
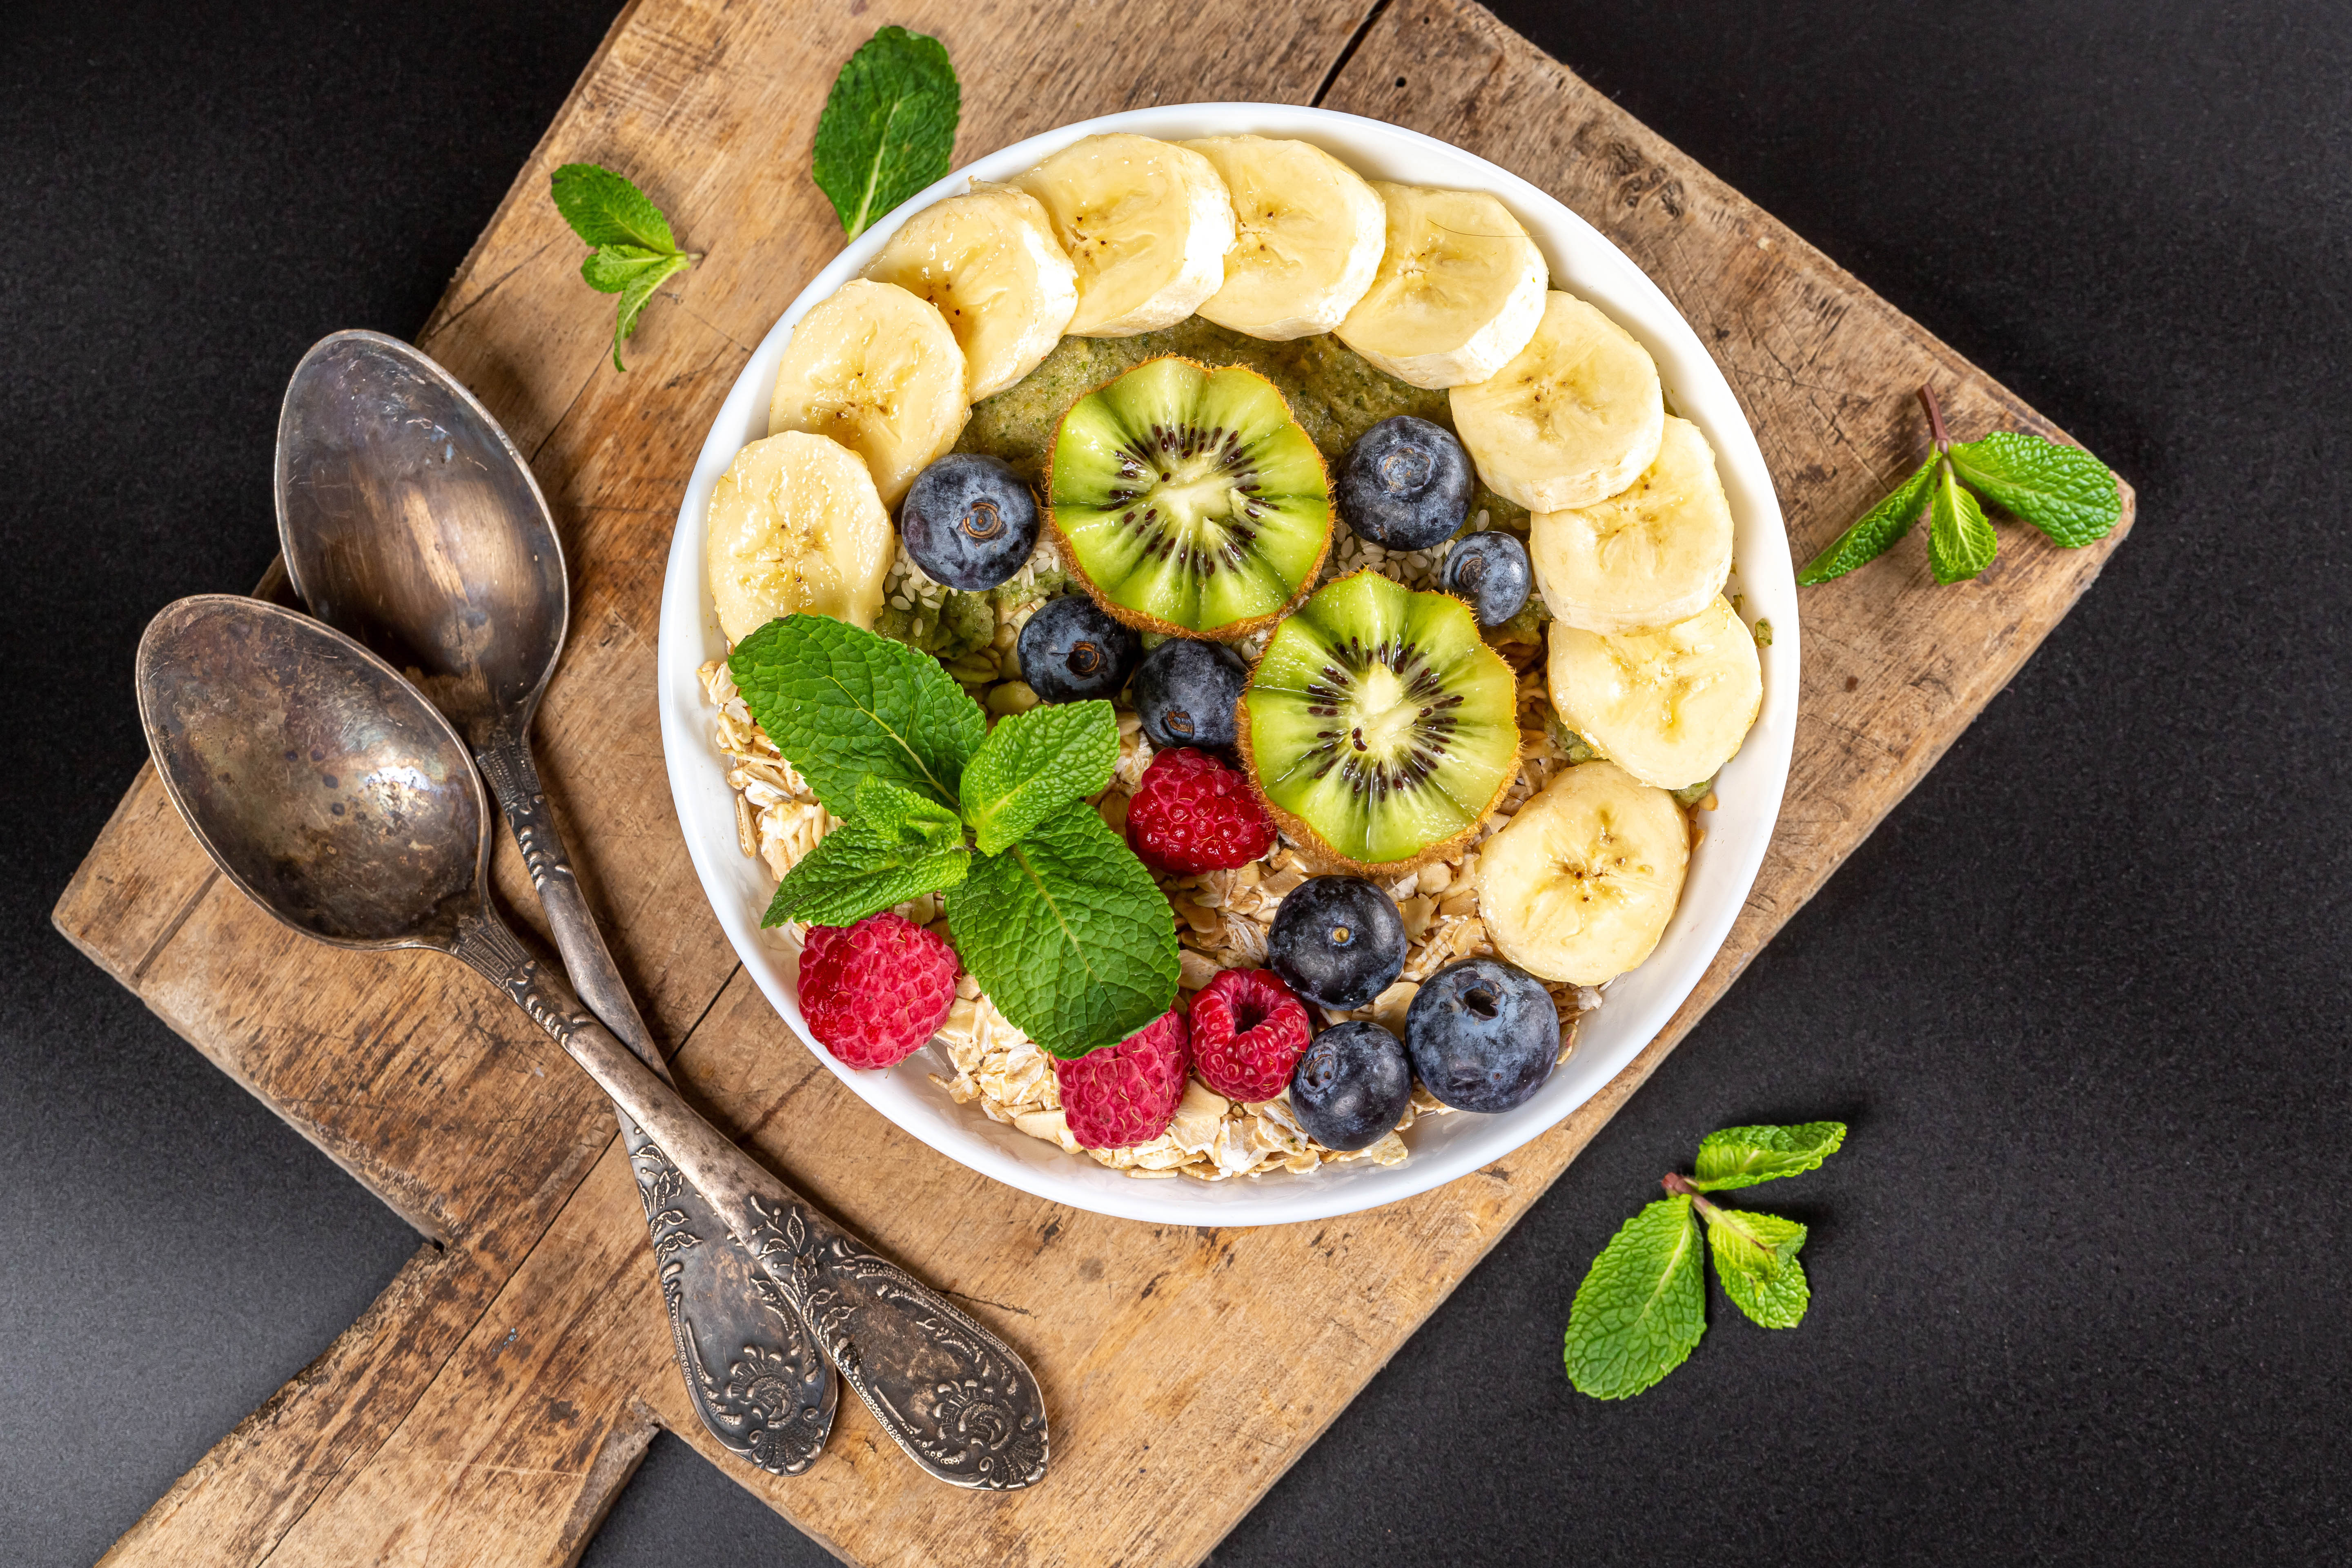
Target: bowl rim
column 1736, row 834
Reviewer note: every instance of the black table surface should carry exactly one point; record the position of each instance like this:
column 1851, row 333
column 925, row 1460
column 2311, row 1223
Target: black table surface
column 2080, row 1277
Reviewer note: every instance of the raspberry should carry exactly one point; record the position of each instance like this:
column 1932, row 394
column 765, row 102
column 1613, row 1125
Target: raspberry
column 874, row 992
column 1194, row 814
column 1248, row 1032
column 1126, row 1094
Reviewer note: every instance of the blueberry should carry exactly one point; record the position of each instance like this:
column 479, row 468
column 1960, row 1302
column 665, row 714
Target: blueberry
column 1490, row 571
column 1483, row 1036
column 1185, row 690
column 969, row 520
column 1349, row 1091
column 1405, row 484
column 1071, row 651
column 1337, row 942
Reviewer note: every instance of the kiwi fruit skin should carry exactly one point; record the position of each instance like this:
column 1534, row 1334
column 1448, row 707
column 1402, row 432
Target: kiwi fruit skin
column 1143, row 621
column 1309, row 840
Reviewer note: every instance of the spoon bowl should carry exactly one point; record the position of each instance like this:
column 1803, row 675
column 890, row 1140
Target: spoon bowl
column 316, row 777
column 411, row 523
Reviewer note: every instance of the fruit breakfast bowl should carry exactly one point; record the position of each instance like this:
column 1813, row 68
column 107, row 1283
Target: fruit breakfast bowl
column 1635, row 1006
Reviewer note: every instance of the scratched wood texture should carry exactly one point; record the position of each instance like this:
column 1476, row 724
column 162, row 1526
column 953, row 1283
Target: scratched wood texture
column 493, row 1401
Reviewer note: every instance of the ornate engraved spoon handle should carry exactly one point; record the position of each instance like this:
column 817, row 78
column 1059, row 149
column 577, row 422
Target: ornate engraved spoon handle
column 507, row 763
column 956, row 1397
column 953, row 1396
column 755, row 1379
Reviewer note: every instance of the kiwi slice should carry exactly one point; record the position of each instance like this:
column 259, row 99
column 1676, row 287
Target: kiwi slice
column 1188, row 499
column 1380, row 728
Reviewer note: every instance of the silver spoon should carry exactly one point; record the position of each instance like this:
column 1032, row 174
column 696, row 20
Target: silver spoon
column 410, row 521
column 326, row 787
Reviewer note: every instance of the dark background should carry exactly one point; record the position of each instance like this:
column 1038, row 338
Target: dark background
column 2080, row 1275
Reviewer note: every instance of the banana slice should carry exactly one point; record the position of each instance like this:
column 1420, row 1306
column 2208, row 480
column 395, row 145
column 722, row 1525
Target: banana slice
column 1459, row 290
column 1307, row 237
column 990, row 262
column 1573, row 419
column 1671, row 706
column 1581, row 885
column 1147, row 224
column 795, row 524
column 1650, row 556
column 876, row 368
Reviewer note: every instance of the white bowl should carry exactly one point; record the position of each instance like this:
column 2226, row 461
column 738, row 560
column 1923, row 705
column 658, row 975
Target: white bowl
column 1637, row 1005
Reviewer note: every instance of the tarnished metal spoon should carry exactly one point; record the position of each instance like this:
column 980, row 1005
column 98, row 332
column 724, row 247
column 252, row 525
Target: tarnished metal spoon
column 410, row 521
column 327, row 789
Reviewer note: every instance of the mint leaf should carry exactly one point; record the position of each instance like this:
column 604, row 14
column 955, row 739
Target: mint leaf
column 1875, row 531
column 1776, row 1304
column 634, row 296
column 604, row 208
column 1756, row 1259
column 1748, row 1240
column 1067, row 935
column 906, row 817
column 1743, row 1156
column 1642, row 1305
column 1035, row 764
column 845, row 705
column 613, row 268
column 856, row 870
column 900, row 846
column 2062, row 490
column 889, row 126
column 1960, row 543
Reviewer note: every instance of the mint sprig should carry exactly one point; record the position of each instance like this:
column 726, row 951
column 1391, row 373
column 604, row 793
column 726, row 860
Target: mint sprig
column 2066, row 492
column 889, row 126
column 1642, row 1307
column 1054, row 916
column 636, row 252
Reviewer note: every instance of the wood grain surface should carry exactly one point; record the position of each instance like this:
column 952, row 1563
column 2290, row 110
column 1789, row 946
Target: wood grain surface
column 497, row 1396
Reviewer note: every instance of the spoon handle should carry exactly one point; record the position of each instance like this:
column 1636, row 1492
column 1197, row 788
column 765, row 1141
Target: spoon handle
column 958, row 1399
column 754, row 1377
column 507, row 762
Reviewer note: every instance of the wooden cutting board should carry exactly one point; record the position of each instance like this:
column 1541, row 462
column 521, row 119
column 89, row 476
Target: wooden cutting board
column 497, row 1396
